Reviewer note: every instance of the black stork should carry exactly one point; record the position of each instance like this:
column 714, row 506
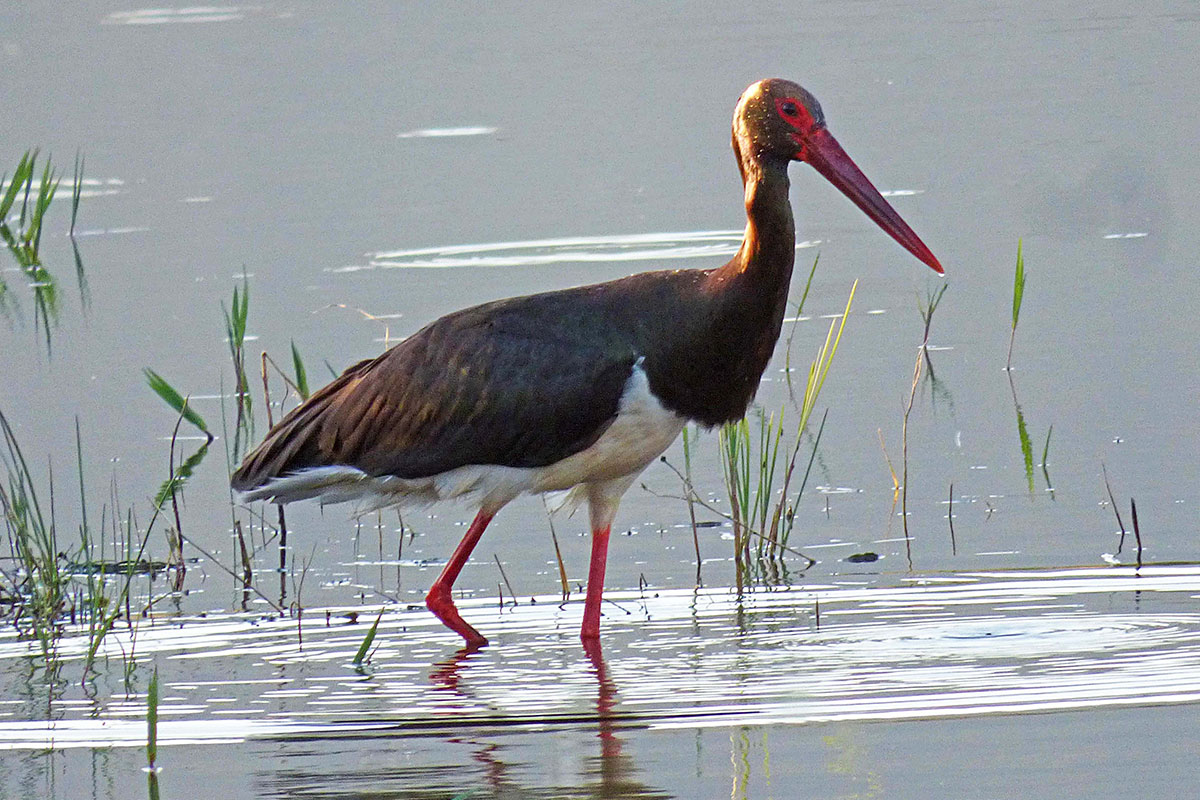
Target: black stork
column 578, row 389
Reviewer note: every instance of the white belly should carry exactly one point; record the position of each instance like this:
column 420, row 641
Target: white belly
column 641, row 432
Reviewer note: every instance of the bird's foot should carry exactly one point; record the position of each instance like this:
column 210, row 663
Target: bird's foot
column 442, row 605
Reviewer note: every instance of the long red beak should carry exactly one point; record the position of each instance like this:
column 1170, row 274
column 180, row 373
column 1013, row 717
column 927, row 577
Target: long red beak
column 828, row 158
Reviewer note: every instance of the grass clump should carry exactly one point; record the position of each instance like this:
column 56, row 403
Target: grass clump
column 235, row 334
column 39, row 588
column 755, row 463
column 25, row 199
column 23, row 237
column 57, row 582
column 25, row 240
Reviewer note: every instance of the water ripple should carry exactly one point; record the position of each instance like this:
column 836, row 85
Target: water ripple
column 944, row 645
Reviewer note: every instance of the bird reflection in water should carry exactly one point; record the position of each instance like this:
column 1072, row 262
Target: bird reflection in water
column 611, row 773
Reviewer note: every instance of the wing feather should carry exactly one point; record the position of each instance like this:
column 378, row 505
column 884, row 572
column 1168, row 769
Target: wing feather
column 505, row 384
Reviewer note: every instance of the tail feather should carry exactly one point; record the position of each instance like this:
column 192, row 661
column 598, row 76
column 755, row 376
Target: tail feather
column 292, row 445
column 330, row 484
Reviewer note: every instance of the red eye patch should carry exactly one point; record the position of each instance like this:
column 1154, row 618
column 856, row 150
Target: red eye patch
column 794, row 113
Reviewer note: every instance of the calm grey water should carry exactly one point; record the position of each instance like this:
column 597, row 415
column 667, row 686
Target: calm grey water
column 317, row 148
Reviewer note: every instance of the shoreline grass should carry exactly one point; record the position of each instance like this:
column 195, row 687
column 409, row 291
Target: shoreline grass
column 58, row 582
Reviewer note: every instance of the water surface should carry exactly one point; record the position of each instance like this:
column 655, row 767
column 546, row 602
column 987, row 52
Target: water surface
column 406, row 161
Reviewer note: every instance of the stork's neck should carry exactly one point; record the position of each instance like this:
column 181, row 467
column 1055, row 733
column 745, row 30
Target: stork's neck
column 717, row 365
column 762, row 266
column 768, row 249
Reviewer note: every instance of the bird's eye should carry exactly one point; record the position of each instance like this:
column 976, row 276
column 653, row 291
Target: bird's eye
column 794, row 113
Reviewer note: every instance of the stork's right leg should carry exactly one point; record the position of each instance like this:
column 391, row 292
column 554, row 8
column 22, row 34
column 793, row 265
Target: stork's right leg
column 439, row 600
column 603, row 499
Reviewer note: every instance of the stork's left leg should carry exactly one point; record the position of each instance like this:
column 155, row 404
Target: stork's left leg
column 440, row 601
column 603, row 499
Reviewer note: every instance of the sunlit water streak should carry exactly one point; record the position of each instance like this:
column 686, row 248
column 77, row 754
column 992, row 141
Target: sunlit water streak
column 166, row 16
column 583, row 249
column 88, row 187
column 444, row 133
column 966, row 644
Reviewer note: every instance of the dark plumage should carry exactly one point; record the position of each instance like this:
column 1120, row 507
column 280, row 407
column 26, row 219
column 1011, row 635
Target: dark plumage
column 548, row 391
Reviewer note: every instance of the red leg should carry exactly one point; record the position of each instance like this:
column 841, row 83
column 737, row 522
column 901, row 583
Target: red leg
column 595, row 585
column 439, row 600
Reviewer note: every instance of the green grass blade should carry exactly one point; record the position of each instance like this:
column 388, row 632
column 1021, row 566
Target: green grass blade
column 1018, row 286
column 174, row 399
column 241, row 312
column 76, row 190
column 820, row 367
column 26, row 188
column 1018, row 296
column 45, row 298
column 152, row 720
column 45, row 195
column 84, row 530
column 301, row 373
column 10, row 194
column 361, row 655
column 176, row 481
column 1026, row 448
column 85, row 292
column 19, row 179
column 807, row 285
column 1046, row 462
